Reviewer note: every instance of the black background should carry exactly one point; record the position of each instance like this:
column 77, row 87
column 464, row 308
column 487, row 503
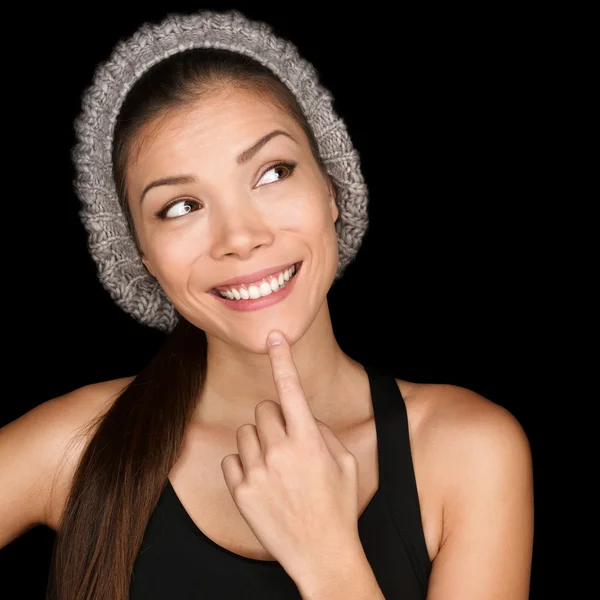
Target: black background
column 446, row 108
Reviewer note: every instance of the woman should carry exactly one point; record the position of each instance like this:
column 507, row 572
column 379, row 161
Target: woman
column 222, row 197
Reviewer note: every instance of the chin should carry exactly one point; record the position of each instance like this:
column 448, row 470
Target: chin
column 254, row 339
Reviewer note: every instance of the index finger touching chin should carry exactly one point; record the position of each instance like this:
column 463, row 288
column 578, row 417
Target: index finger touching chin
column 294, row 405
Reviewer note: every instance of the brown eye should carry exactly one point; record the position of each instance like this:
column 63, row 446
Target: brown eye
column 178, row 209
column 277, row 173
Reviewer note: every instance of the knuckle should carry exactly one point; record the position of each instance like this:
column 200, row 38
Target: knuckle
column 264, row 405
column 287, row 382
column 227, row 459
column 240, row 493
column 275, row 457
column 263, row 408
column 242, row 429
column 350, row 461
column 314, row 448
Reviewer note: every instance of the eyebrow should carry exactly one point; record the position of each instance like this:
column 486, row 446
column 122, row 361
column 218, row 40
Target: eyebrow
column 248, row 154
column 243, row 158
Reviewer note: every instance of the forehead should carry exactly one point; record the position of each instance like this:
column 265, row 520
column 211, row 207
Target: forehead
column 217, row 126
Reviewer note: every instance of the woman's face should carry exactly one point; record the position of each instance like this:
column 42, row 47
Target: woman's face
column 206, row 212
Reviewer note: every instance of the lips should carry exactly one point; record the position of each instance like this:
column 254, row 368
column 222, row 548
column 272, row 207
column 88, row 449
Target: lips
column 254, row 278
column 263, row 302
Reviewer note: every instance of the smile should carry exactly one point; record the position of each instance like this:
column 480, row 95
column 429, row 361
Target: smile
column 260, row 294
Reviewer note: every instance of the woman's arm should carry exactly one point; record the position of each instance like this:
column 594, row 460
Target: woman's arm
column 478, row 459
column 487, row 539
column 39, row 452
column 25, row 474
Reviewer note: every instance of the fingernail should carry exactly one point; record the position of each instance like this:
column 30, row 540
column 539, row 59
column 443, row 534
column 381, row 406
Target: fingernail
column 274, row 338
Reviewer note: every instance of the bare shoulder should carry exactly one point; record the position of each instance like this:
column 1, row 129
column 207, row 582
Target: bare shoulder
column 473, row 465
column 62, row 415
column 74, row 416
column 461, row 419
column 40, row 450
column 458, row 424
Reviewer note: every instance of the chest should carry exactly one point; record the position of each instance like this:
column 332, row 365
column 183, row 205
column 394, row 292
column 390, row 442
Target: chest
column 198, row 481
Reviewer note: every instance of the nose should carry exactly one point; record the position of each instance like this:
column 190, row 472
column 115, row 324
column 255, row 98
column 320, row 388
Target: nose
column 239, row 231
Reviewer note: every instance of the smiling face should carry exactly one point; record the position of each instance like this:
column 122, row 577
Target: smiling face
column 210, row 203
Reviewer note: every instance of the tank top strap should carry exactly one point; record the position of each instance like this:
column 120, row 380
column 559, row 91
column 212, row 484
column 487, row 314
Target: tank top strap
column 397, row 479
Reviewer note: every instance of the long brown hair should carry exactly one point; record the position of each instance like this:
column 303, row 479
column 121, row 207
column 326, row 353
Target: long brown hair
column 135, row 444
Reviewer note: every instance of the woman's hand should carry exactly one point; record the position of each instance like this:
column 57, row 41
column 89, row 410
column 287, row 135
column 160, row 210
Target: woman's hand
column 293, row 481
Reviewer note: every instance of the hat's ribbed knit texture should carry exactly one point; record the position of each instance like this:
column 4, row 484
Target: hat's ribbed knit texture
column 113, row 249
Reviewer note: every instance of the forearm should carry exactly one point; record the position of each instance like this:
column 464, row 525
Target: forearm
column 349, row 579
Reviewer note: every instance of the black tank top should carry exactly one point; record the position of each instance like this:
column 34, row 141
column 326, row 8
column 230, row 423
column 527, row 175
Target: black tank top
column 179, row 562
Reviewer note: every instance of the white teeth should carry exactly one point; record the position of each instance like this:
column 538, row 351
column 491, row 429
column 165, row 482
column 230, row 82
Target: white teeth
column 264, row 289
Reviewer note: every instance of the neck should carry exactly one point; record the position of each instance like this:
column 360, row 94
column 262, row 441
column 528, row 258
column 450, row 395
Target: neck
column 237, row 381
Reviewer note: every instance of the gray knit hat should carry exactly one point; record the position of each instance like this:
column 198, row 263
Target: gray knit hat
column 120, row 268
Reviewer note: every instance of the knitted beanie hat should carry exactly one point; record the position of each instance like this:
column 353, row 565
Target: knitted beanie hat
column 111, row 245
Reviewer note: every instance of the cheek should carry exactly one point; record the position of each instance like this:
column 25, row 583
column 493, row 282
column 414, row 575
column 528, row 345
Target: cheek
column 311, row 217
column 300, row 209
column 173, row 253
